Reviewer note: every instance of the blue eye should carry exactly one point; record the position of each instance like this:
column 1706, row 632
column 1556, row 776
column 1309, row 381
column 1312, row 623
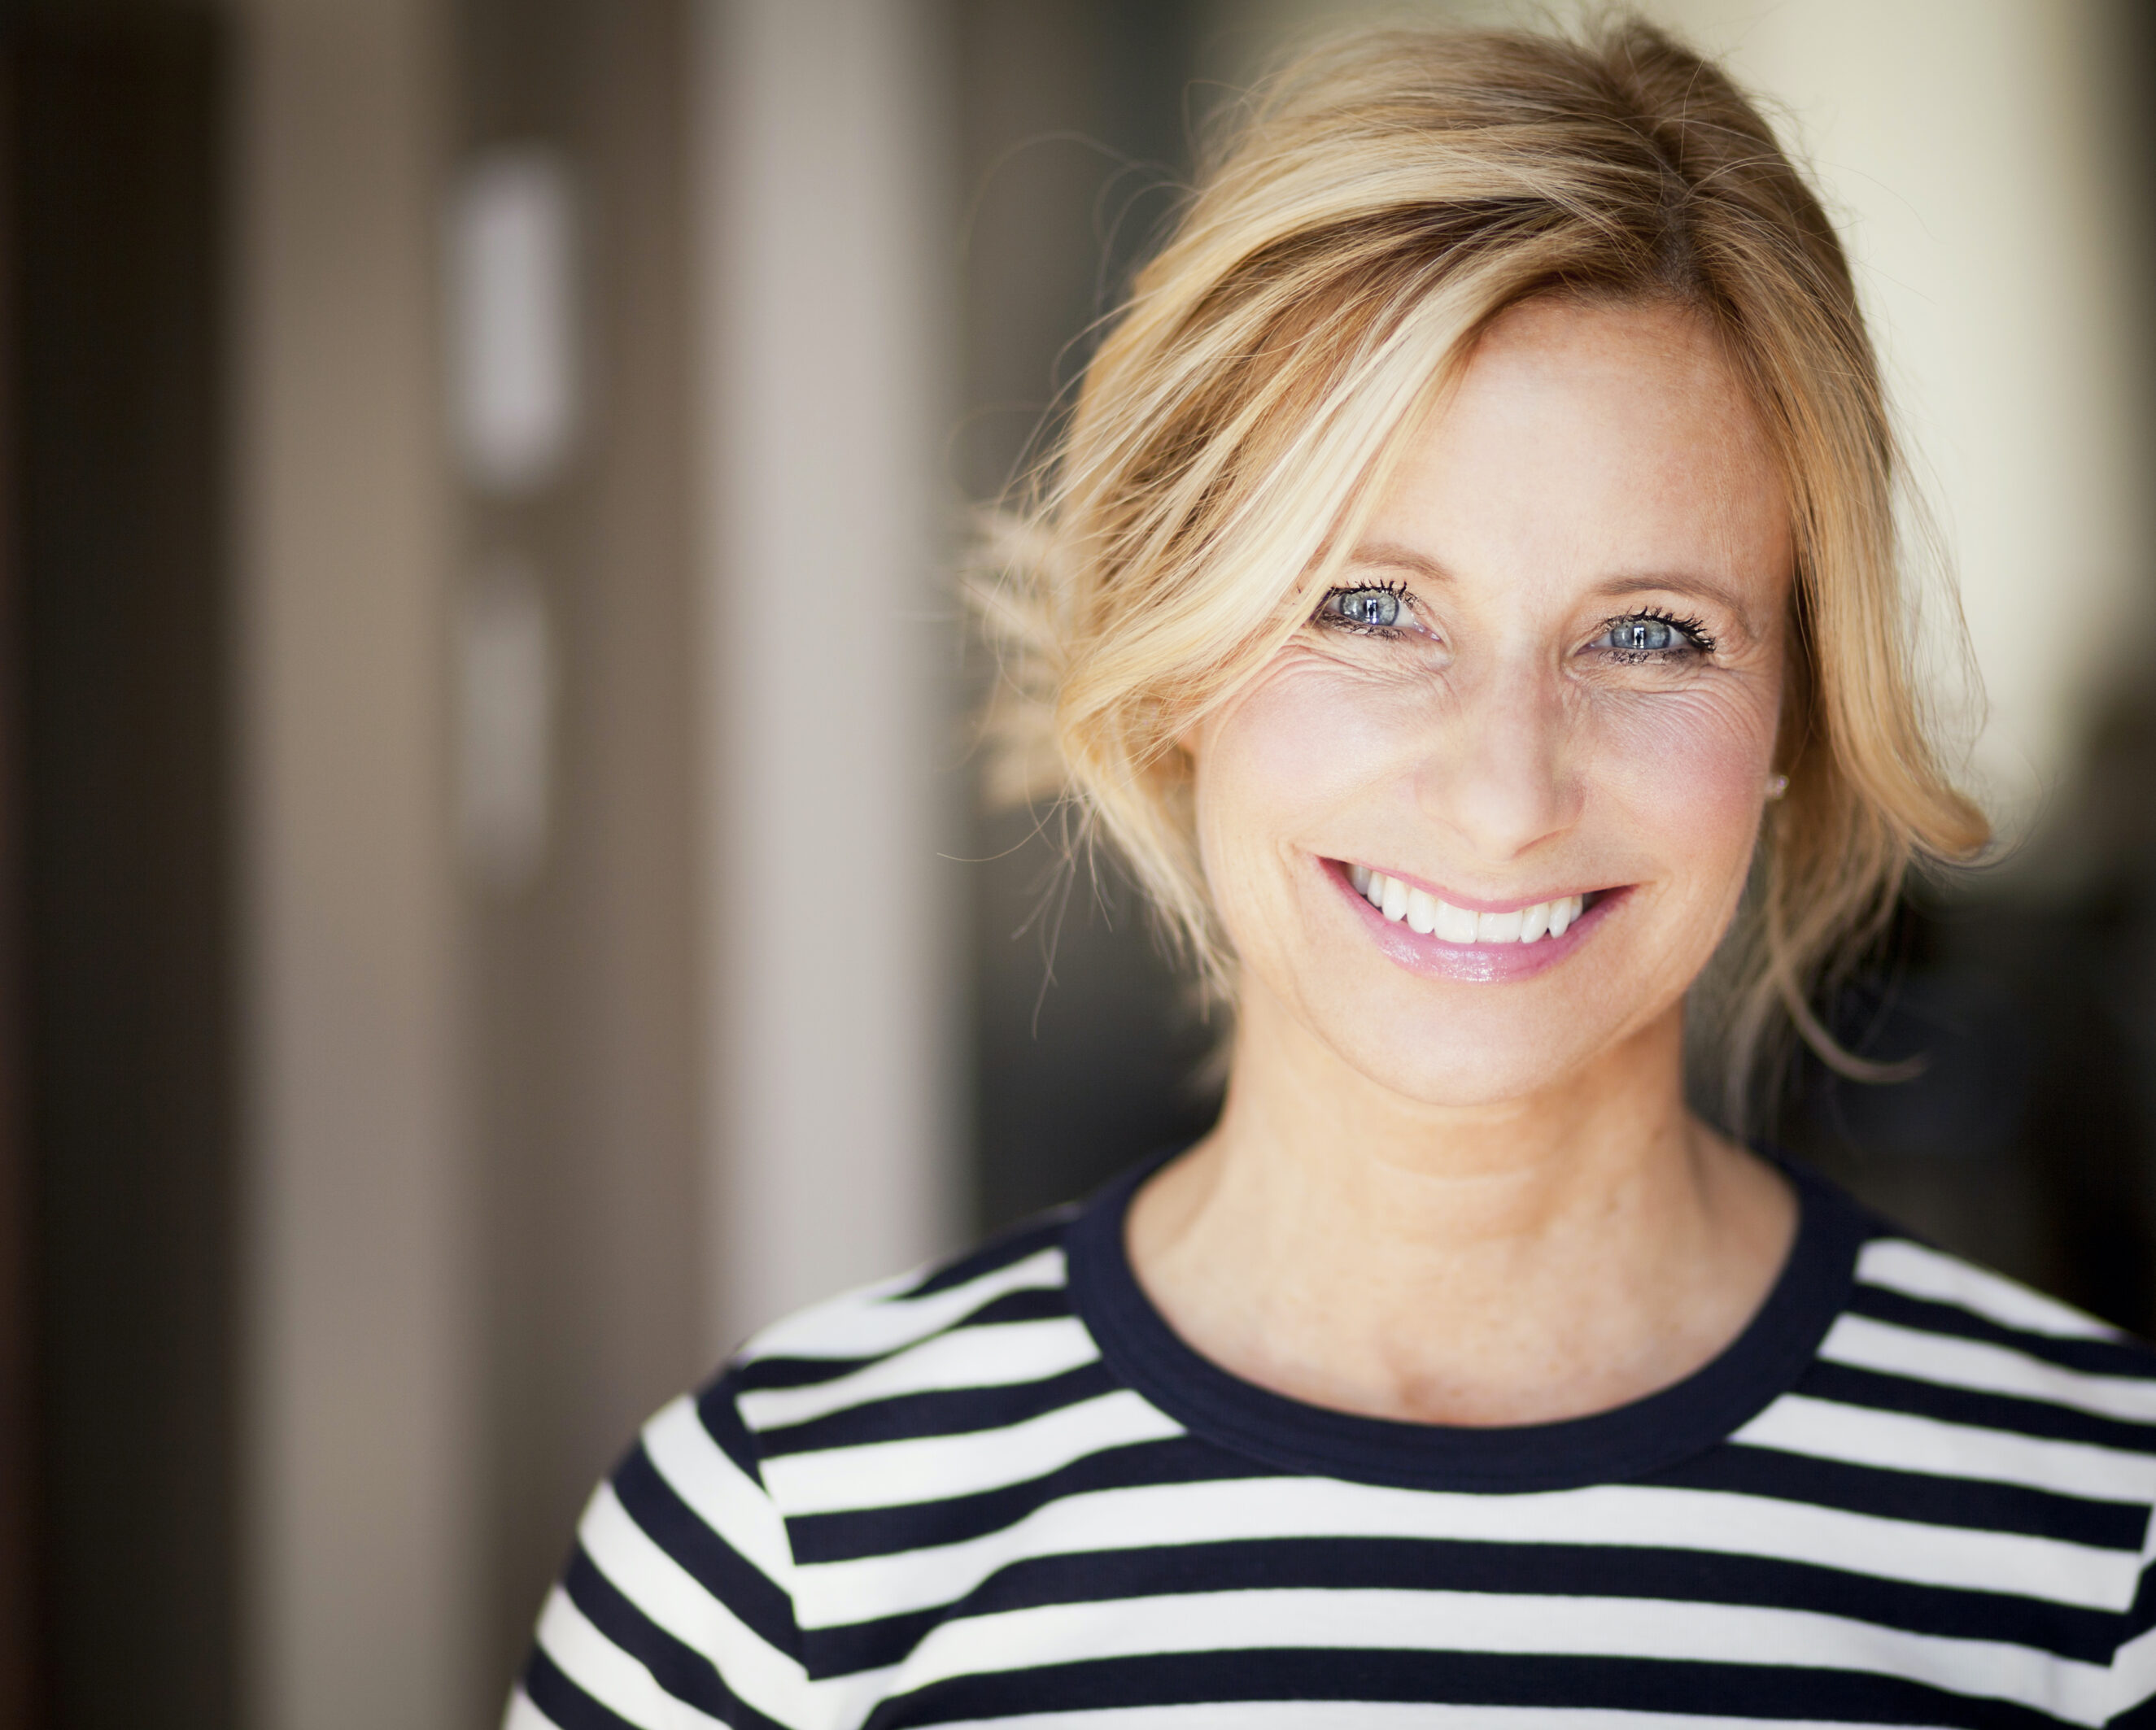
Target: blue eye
column 1644, row 635
column 1649, row 636
column 1378, row 609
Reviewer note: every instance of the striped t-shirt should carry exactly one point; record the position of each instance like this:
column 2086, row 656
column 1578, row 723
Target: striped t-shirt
column 1005, row 1492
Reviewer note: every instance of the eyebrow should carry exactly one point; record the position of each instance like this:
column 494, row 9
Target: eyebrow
column 1674, row 583
column 1386, row 553
column 1389, row 554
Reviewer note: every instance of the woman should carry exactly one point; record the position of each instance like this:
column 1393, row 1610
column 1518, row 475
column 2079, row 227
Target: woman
column 1470, row 565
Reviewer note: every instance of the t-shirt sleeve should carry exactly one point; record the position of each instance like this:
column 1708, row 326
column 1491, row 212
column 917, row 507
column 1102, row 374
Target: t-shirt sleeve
column 2133, row 1664
column 676, row 1609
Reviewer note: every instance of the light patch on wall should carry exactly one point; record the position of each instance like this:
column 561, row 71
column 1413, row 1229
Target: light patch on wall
column 513, row 363
column 505, row 703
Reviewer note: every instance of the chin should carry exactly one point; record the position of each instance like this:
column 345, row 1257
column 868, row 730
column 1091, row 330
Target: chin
column 1446, row 1043
column 1463, row 1074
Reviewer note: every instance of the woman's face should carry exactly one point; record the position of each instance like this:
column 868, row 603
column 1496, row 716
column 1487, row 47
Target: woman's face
column 1535, row 727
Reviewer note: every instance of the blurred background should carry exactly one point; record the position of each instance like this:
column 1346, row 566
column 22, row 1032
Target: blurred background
column 493, row 901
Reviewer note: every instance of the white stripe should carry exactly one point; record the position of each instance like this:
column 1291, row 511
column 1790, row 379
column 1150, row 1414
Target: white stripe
column 733, row 1504
column 1910, row 1268
column 523, row 1715
column 1386, row 1715
column 885, row 1474
column 1989, row 1368
column 2133, row 1672
column 769, row 1680
column 1797, row 1423
column 1616, row 1517
column 1500, row 1623
column 1000, row 1356
column 607, row 1673
column 874, row 1320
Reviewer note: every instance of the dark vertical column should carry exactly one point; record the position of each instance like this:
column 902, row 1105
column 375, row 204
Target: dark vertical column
column 20, row 1597
column 1076, row 141
column 115, row 548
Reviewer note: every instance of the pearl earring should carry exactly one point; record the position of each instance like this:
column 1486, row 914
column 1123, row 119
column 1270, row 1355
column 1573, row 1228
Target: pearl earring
column 1777, row 785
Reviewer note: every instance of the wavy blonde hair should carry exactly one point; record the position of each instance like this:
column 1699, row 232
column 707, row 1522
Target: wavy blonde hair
column 1365, row 215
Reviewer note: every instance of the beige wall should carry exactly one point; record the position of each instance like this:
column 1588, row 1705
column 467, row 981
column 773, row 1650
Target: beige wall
column 487, row 1228
column 358, row 1368
column 829, row 647
column 582, row 968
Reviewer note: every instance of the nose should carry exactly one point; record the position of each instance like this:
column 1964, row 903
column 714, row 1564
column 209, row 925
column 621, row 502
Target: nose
column 1497, row 774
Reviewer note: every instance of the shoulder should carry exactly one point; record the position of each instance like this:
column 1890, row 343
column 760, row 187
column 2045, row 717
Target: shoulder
column 1939, row 1366
column 1017, row 1276
column 1910, row 1296
column 891, row 1359
column 689, row 1561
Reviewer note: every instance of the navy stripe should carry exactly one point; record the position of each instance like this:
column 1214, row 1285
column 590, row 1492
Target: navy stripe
column 752, row 1376
column 2121, row 1358
column 563, row 1700
column 1565, row 1571
column 1463, row 1678
column 718, row 1412
column 892, row 1530
column 2142, row 1616
column 2039, row 1419
column 1919, row 1497
column 721, row 1570
column 1028, row 1304
column 939, row 1411
column 680, row 1670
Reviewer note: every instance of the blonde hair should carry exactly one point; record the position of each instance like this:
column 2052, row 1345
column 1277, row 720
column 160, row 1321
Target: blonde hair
column 1379, row 203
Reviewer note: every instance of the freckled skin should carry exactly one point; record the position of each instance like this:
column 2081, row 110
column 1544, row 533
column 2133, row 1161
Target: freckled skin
column 1492, row 755
column 1475, row 1201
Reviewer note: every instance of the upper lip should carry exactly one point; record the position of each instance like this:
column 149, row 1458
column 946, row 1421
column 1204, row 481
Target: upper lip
column 1471, row 903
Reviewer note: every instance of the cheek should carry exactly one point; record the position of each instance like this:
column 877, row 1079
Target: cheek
column 1311, row 739
column 1689, row 771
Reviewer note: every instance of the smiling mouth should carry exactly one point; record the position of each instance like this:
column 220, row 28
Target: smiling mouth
column 1427, row 915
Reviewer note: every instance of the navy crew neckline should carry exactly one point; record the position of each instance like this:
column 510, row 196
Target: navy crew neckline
column 1627, row 1442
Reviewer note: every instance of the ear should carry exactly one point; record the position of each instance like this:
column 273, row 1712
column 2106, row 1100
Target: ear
column 1190, row 743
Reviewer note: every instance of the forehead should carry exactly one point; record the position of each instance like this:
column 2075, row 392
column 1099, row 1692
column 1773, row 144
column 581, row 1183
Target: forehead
column 1591, row 441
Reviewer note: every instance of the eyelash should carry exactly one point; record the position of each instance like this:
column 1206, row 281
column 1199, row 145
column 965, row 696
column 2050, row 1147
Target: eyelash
column 1693, row 630
column 1332, row 621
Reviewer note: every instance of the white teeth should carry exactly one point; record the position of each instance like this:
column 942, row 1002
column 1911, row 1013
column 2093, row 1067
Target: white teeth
column 1427, row 915
column 1454, row 925
column 1498, row 927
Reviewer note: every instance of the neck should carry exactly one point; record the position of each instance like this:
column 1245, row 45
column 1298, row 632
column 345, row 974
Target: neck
column 1532, row 1259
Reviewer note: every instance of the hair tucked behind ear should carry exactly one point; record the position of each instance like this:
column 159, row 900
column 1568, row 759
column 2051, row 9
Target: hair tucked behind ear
column 1360, row 220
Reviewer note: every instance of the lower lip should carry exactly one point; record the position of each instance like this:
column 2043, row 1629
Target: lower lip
column 1482, row 962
